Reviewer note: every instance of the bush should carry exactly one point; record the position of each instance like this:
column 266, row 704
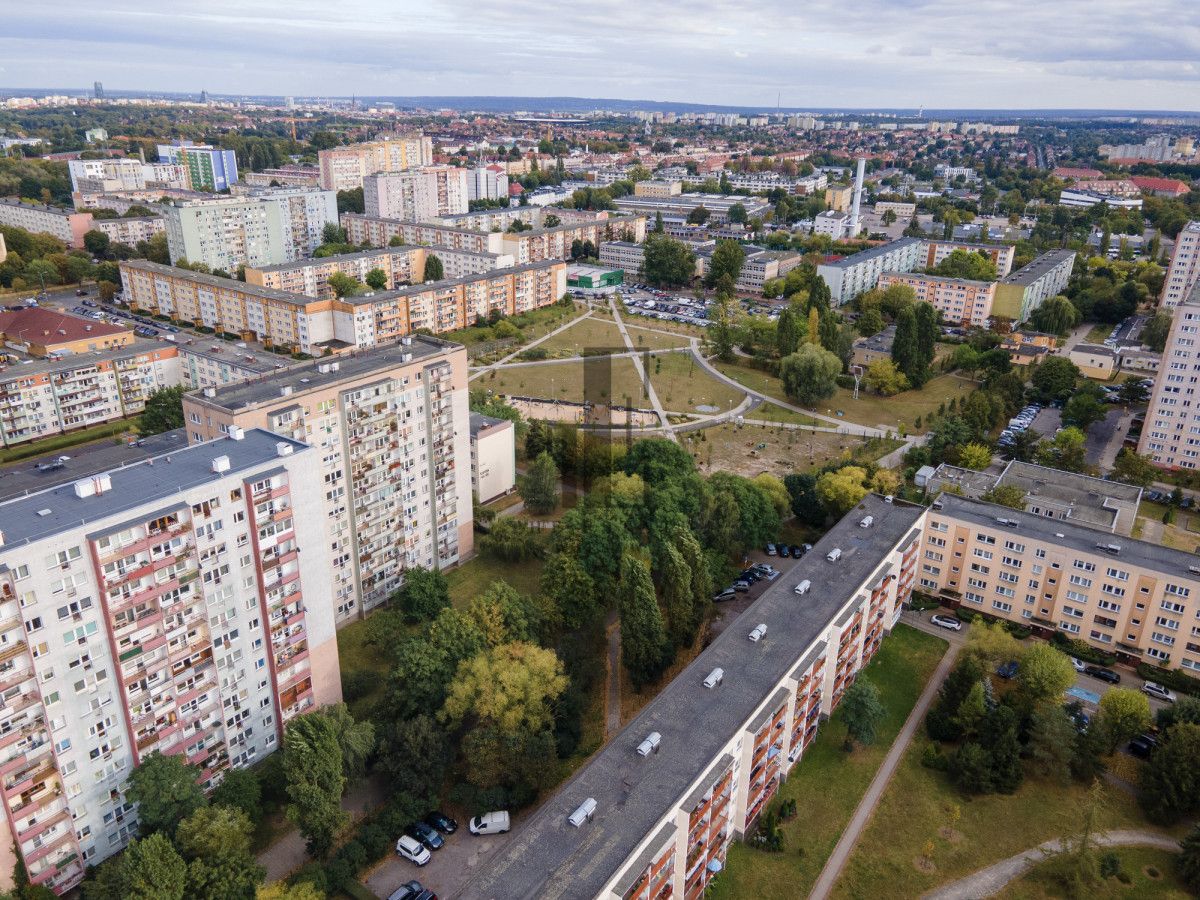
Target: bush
column 203, row 329
column 965, row 615
column 933, row 758
column 1176, row 680
column 534, row 353
column 1081, row 651
column 1017, row 630
column 1110, row 864
column 919, row 601
column 846, row 381
column 357, row 684
column 230, row 336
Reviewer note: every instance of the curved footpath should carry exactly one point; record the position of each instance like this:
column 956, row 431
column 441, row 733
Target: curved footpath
column 991, row 880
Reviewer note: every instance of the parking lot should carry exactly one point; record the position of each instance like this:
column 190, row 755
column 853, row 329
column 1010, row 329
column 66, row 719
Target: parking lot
column 451, row 867
column 643, row 300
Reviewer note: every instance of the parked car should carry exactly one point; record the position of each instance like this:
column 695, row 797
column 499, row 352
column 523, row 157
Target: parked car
column 426, row 834
column 727, row 594
column 412, row 890
column 771, row 550
column 1078, row 665
column 741, row 585
column 946, row 622
column 1143, row 745
column 490, row 823
column 1008, row 670
column 412, row 850
column 1103, row 674
column 1077, row 715
column 1158, row 691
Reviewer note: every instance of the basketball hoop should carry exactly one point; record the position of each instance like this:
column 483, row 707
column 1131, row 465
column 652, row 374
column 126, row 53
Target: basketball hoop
column 857, row 372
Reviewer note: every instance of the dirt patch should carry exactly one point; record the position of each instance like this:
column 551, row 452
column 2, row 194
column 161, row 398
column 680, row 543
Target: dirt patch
column 950, row 835
column 924, row 865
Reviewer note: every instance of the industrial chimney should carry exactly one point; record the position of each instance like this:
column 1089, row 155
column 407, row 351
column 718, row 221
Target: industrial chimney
column 858, row 186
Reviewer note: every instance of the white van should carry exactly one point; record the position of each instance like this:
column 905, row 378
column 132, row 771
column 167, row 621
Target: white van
column 802, row 587
column 489, row 823
column 834, row 555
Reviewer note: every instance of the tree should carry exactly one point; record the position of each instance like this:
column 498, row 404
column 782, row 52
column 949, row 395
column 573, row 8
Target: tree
column 107, row 290
column 658, row 222
column 967, row 264
column 377, row 279
column 333, row 233
column 725, row 263
column 424, row 594
column 1169, row 788
column 1051, row 741
column 351, row 201
column 151, row 870
column 214, row 831
column 512, row 688
column 1058, row 315
column 166, row 790
column 927, row 332
column 1155, row 334
column 787, row 333
column 806, row 504
column 698, row 216
column 870, row 322
column 737, row 214
column 862, row 711
column 96, row 243
column 357, row 739
column 906, row 350
column 667, row 262
column 1188, row 863
column 1133, row 469
column 1010, row 495
column 505, row 615
column 1083, row 410
column 163, row 410
column 1045, row 674
column 884, row 378
column 975, row 456
column 1066, row 451
column 425, row 663
column 434, row 270
column 511, row 540
column 1124, row 713
column 344, row 285
column 414, row 756
column 841, row 490
column 539, row 486
column 313, row 770
column 814, row 325
column 992, row 643
column 942, row 721
column 643, row 638
column 810, row 374
column 240, row 789
column 1054, row 379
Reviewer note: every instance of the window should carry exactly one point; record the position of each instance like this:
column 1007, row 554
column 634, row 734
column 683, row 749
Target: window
column 1118, row 574
column 1072, row 612
column 1069, row 627
column 1080, row 581
column 1002, row 606
column 974, row 598
column 1177, row 589
column 1159, row 638
column 1172, row 607
column 1014, row 546
column 1011, row 561
column 985, row 539
column 1040, row 552
column 982, row 554
column 34, row 624
column 1084, row 565
column 1164, row 622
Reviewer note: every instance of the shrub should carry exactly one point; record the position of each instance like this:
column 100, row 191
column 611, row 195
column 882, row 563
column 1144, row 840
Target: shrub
column 1110, row 864
column 919, row 601
column 204, row 329
column 1171, row 678
column 1017, row 630
column 965, row 615
column 846, row 381
column 357, row 684
column 933, row 758
column 534, row 353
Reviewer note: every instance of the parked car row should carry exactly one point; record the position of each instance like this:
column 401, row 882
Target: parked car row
column 795, row 551
column 1019, row 423
column 420, row 838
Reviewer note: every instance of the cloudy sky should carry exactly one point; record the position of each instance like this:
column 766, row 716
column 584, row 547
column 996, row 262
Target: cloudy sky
column 818, row 53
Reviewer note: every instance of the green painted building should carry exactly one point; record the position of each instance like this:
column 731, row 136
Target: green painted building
column 594, row 277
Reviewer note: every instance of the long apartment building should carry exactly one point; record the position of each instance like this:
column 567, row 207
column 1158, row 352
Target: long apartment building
column 936, row 251
column 1184, row 271
column 401, row 265
column 99, row 176
column 1134, row 598
column 1023, row 291
column 161, row 606
column 312, row 325
column 273, row 226
column 344, row 168
column 390, row 427
column 130, row 230
column 67, row 225
column 652, row 814
column 43, row 397
column 1171, row 435
column 416, row 195
column 959, row 300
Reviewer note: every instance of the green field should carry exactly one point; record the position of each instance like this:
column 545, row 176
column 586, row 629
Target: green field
column 1151, row 873
column 587, row 334
column 645, row 338
column 682, row 384
column 772, row 413
column 608, row 380
column 827, row 784
column 753, row 449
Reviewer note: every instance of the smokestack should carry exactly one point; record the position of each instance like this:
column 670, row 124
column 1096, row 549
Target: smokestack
column 858, row 186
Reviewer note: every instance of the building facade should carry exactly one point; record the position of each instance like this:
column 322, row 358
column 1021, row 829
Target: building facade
column 206, row 168
column 935, row 251
column 487, row 183
column 130, row 230
column 959, row 300
column 162, row 606
column 493, row 457
column 1171, row 435
column 391, row 428
column 416, row 195
column 852, row 275
column 67, row 225
column 1023, row 291
column 344, row 168
column 1184, row 271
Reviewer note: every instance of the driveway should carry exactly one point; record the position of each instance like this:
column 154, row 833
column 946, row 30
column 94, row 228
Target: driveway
column 1103, row 440
column 1046, row 422
column 450, row 869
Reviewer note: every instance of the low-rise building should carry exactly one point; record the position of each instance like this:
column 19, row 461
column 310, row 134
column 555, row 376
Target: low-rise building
column 678, row 208
column 624, row 255
column 42, row 331
column 1095, row 360
column 876, row 347
column 1160, row 187
column 594, row 277
column 832, row 223
column 653, row 188
column 1027, row 347
column 286, row 176
column 902, row 209
column 493, row 457
column 1138, row 359
column 959, row 300
column 1082, row 198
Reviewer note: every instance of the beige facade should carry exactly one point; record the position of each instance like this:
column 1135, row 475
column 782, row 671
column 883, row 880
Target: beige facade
column 65, row 224
column 343, row 168
column 130, row 231
column 493, row 457
column 162, row 606
column 1184, row 271
column 935, row 251
column 658, row 188
column 1171, row 435
column 391, row 428
column 416, row 195
column 1095, row 360
column 959, row 300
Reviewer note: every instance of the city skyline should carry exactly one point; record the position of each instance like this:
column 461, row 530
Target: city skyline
column 992, row 55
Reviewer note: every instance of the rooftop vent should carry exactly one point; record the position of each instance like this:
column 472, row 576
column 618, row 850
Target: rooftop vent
column 220, row 464
column 867, row 522
column 585, row 812
column 650, row 744
column 323, row 368
column 85, row 488
column 210, row 392
column 283, row 448
column 44, row 512
column 236, row 432
column 1, row 538
column 285, row 391
column 715, row 677
column 759, row 632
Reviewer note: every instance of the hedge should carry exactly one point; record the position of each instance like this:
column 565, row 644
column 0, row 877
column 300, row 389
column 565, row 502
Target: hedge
column 1081, row 650
column 1171, row 678
column 965, row 615
column 920, row 601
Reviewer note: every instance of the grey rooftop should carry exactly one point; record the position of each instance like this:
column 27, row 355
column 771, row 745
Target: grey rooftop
column 872, row 252
column 1039, row 267
column 549, row 859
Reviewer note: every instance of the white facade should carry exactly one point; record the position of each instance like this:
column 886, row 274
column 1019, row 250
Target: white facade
column 493, row 457
column 487, row 183
column 1184, row 271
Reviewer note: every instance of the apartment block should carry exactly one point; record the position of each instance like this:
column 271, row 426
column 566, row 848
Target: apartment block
column 959, row 300
column 67, row 225
column 493, row 457
column 390, row 427
column 653, row 188
column 416, row 195
column 624, row 255
column 50, row 396
column 130, row 230
column 935, row 251
column 161, row 606
column 852, row 275
column 98, row 176
column 654, row 811
column 487, row 183
column 206, row 168
column 286, row 176
column 1171, row 435
column 217, row 363
column 344, row 168
column 677, row 208
column 1132, row 598
column 902, row 209
column 311, row 325
column 273, row 226
column 1184, row 271
column 759, row 266
column 1023, row 291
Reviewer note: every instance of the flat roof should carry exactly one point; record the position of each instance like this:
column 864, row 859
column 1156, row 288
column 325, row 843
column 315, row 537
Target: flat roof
column 478, row 421
column 235, row 355
column 76, row 360
column 160, row 479
column 415, row 289
column 1094, row 501
column 309, row 377
column 1094, row 350
column 934, row 278
column 548, row 858
column 217, row 281
column 1039, row 267
column 871, row 252
column 1064, row 533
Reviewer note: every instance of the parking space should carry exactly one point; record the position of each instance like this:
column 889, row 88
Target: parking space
column 1047, row 422
column 449, row 869
column 643, row 300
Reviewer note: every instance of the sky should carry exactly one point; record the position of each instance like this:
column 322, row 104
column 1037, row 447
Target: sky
column 975, row 54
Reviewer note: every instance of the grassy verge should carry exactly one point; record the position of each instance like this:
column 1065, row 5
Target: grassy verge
column 587, row 334
column 683, row 385
column 828, row 784
column 65, row 441
column 920, row 803
column 1098, row 334
column 753, row 449
column 645, row 338
column 771, row 413
column 1151, row 874
column 603, row 380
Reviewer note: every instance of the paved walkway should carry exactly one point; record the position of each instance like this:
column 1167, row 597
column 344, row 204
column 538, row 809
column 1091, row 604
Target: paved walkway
column 651, row 394
column 862, row 815
column 991, row 880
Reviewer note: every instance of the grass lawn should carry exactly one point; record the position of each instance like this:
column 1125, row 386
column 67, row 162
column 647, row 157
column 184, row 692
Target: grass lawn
column 654, row 340
column 1098, row 333
column 772, row 413
column 828, row 784
column 586, row 334
column 753, row 449
column 1151, row 872
column 607, row 380
column 683, row 384
column 533, row 325
column 1181, row 534
column 66, row 441
column 632, row 319
column 919, row 802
